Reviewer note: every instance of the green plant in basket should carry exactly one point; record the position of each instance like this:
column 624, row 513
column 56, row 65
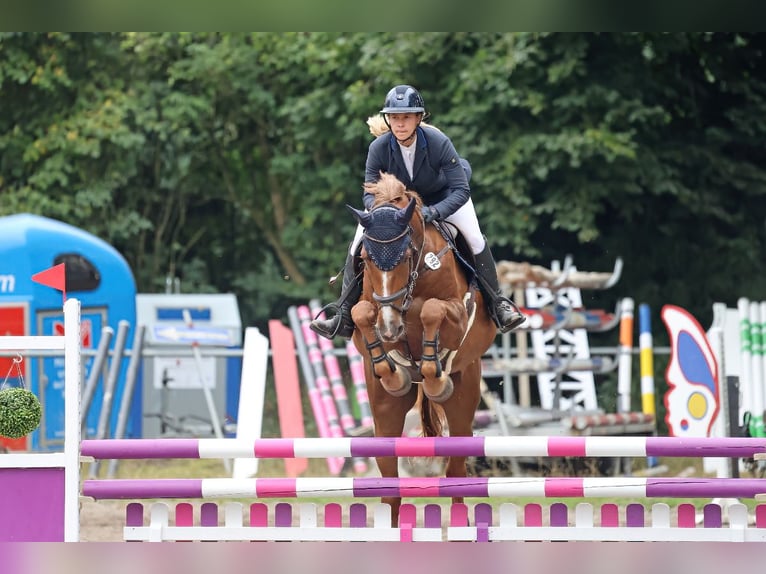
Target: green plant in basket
column 20, row 412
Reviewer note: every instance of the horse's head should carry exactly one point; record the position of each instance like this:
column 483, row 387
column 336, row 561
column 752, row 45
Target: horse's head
column 389, row 267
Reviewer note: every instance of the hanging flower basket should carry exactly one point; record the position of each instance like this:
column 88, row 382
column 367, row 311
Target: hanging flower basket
column 20, row 412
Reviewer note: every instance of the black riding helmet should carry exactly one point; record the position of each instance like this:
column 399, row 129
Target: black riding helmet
column 403, row 99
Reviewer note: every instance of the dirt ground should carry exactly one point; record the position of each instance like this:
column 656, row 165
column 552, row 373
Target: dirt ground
column 101, row 521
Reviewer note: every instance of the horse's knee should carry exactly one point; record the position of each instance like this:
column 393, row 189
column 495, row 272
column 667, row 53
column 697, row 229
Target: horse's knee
column 432, row 313
column 364, row 314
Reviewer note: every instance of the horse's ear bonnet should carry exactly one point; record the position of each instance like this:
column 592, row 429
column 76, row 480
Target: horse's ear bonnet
column 387, row 236
column 362, row 217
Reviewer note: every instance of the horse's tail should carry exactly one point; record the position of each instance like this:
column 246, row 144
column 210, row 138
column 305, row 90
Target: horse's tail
column 431, row 416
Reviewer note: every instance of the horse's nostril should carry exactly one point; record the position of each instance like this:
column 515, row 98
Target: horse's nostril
column 391, row 333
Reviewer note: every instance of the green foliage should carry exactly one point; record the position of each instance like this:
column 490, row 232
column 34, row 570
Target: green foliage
column 20, row 412
column 226, row 159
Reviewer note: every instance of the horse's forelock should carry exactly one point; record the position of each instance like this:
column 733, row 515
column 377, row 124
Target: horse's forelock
column 390, row 190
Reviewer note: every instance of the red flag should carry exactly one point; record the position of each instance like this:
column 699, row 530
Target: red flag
column 54, row 277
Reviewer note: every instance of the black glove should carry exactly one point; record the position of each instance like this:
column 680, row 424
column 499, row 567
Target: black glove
column 429, row 213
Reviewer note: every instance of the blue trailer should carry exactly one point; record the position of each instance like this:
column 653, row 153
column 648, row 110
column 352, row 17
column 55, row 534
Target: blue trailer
column 99, row 277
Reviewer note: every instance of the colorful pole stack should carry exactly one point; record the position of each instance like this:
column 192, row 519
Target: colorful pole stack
column 646, row 356
column 338, row 386
column 624, row 368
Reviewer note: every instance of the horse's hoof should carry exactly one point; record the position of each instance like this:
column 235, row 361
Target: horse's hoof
column 446, row 392
column 404, row 376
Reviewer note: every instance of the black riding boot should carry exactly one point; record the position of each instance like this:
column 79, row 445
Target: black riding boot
column 504, row 312
column 340, row 324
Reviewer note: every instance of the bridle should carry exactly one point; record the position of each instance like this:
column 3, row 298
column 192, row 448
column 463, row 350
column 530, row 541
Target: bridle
column 405, row 293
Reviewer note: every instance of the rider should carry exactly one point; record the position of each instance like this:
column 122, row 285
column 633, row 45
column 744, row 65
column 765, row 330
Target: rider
column 425, row 160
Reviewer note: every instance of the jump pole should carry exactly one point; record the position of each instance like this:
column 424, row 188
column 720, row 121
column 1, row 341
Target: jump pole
column 428, row 487
column 488, row 446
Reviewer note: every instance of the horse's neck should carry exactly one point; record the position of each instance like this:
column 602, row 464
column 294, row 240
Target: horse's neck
column 430, row 239
column 437, row 244
column 436, row 238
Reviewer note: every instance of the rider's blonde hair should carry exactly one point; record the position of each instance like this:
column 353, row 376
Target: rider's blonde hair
column 378, row 125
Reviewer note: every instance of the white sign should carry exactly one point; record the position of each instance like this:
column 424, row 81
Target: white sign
column 184, row 372
column 189, row 335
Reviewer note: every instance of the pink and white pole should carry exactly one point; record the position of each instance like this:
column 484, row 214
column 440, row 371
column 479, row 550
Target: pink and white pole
column 489, row 446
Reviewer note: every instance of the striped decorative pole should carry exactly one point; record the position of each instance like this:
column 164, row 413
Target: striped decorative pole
column 356, row 366
column 332, row 368
column 624, row 367
column 755, row 407
column 315, row 397
column 338, row 387
column 746, row 377
column 320, row 379
column 758, row 425
column 480, row 446
column 646, row 359
column 429, row 487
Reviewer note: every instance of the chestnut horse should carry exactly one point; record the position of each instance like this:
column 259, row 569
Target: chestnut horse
column 417, row 321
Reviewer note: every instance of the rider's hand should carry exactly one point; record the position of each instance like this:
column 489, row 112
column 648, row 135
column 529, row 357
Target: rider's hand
column 429, row 214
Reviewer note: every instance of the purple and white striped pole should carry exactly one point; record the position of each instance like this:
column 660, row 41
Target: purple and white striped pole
column 482, row 487
column 487, row 446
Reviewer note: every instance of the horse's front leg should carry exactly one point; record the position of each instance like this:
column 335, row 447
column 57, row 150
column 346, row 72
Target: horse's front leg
column 395, row 380
column 445, row 320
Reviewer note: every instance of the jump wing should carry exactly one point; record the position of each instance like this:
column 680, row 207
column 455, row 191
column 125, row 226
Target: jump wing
column 691, row 401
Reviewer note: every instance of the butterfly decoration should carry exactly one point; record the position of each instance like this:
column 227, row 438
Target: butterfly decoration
column 692, row 400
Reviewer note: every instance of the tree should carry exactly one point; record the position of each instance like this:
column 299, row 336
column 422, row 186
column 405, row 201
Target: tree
column 227, row 159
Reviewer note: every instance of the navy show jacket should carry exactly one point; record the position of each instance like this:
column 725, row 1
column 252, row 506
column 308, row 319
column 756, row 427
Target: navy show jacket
column 439, row 174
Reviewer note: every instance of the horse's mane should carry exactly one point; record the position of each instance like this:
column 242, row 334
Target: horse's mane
column 378, row 125
column 390, row 190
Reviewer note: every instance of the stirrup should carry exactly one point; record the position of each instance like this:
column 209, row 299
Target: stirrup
column 343, row 325
column 516, row 319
